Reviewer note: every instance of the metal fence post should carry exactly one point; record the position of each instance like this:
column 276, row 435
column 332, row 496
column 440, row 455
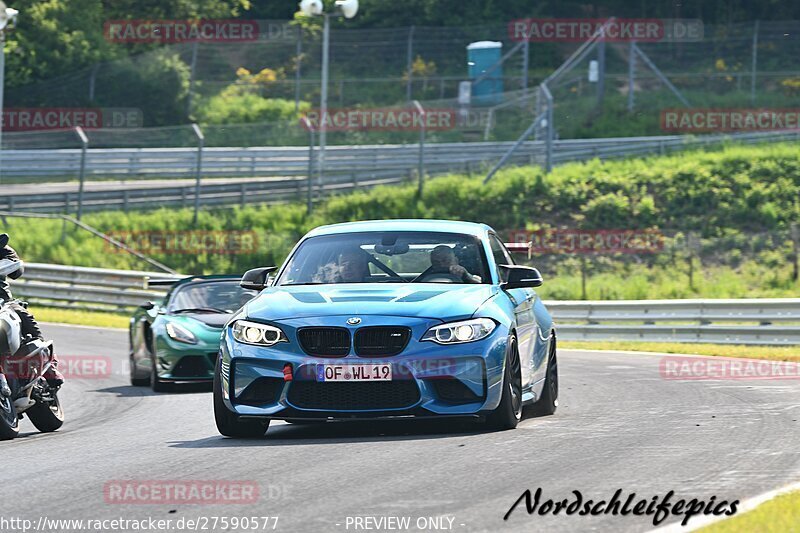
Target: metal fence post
column 410, row 62
column 421, row 163
column 548, row 161
column 93, row 81
column 310, row 180
column 199, row 169
column 631, row 74
column 297, row 68
column 755, row 65
column 192, row 67
column 795, row 232
column 526, row 54
column 82, row 177
column 601, row 67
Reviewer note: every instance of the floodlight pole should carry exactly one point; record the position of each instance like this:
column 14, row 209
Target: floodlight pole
column 198, row 170
column 82, row 177
column 7, row 16
column 421, row 164
column 2, row 86
column 323, row 105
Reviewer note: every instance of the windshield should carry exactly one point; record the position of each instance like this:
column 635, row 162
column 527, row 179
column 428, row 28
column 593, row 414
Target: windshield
column 387, row 257
column 211, row 297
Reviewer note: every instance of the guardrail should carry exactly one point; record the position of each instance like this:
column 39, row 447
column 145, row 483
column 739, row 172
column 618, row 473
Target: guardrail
column 276, row 174
column 739, row 321
column 93, row 289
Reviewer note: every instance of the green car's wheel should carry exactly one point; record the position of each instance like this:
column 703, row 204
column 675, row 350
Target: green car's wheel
column 228, row 423
column 137, row 382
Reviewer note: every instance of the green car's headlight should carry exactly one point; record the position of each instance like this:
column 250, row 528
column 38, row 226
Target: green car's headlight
column 459, row 332
column 179, row 333
column 257, row 334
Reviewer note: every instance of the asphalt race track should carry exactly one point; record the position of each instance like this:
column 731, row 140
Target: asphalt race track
column 619, row 426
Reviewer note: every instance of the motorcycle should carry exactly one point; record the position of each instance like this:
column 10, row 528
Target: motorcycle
column 23, row 363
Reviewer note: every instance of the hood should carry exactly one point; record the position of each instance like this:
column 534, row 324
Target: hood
column 423, row 300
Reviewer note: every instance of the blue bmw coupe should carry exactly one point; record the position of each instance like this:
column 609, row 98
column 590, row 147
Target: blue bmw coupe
column 388, row 319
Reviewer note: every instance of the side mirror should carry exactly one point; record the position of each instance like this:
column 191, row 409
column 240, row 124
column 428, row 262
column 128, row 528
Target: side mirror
column 257, row 279
column 521, row 277
column 149, row 306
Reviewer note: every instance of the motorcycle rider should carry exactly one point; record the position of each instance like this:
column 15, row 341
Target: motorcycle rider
column 29, row 326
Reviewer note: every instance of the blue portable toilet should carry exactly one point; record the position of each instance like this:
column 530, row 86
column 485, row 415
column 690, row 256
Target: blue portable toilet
column 481, row 56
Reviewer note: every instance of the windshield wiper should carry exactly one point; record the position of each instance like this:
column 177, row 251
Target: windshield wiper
column 203, row 310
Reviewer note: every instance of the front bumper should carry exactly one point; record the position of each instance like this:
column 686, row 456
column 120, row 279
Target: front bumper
column 428, row 379
column 185, row 362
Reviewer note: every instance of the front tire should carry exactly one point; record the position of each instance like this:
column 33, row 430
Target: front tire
column 547, row 404
column 228, row 423
column 136, row 381
column 9, row 422
column 509, row 413
column 47, row 417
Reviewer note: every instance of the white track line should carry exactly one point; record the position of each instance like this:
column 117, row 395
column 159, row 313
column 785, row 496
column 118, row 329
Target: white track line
column 698, row 522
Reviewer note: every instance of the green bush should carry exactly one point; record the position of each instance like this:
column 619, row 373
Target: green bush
column 248, row 108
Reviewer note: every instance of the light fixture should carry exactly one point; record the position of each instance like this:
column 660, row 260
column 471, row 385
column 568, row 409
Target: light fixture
column 311, row 7
column 349, row 8
column 7, row 15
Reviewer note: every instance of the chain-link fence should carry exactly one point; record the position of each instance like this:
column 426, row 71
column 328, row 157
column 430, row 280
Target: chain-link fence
column 746, row 64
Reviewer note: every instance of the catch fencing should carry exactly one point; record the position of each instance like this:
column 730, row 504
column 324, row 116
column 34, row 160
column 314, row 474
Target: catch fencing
column 262, row 175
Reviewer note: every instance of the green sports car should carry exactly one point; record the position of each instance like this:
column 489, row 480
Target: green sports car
column 177, row 339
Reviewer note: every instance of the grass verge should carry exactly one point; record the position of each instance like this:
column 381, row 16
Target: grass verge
column 80, row 318
column 775, row 516
column 771, row 353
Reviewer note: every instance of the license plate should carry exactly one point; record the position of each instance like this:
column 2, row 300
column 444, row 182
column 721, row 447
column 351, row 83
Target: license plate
column 354, row 372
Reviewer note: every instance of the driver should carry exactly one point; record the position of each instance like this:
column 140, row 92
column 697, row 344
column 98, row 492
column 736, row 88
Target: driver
column 350, row 267
column 353, row 266
column 29, row 326
column 444, row 261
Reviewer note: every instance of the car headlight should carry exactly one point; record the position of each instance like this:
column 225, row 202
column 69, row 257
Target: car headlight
column 257, row 334
column 179, row 333
column 458, row 332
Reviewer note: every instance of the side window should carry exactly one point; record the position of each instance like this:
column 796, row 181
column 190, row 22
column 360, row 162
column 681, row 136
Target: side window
column 501, row 256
